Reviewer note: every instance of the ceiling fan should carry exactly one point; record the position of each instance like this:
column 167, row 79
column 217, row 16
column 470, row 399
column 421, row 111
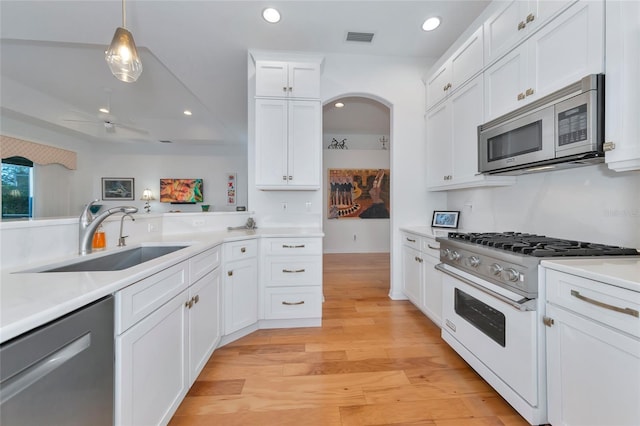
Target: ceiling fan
column 106, row 119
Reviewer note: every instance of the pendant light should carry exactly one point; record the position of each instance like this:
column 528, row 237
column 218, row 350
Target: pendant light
column 122, row 55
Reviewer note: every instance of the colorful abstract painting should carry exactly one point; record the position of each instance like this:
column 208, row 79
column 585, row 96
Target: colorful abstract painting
column 358, row 194
column 181, row 191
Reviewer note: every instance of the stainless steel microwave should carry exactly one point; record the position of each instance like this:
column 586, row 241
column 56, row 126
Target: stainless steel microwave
column 564, row 129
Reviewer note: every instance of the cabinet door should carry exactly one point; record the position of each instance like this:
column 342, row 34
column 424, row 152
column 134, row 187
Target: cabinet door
column 304, row 80
column 437, row 85
column 272, row 79
column 467, row 61
column 504, row 84
column 593, row 372
column 467, row 114
column 271, row 142
column 439, row 145
column 503, row 29
column 432, row 297
column 567, row 49
column 305, row 144
column 412, row 275
column 240, row 295
column 151, row 368
column 204, row 321
column 622, row 108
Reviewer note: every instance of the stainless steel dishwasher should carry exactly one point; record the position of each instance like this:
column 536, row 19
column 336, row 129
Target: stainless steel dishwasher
column 61, row 373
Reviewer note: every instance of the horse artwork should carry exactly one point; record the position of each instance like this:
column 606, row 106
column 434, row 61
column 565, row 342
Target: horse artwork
column 358, row 194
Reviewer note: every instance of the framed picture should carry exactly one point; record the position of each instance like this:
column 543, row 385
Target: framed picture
column 358, row 194
column 445, row 219
column 181, row 191
column 118, row 189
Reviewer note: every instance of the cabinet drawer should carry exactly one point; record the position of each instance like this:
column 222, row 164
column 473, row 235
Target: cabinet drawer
column 430, row 247
column 298, row 270
column 411, row 240
column 237, row 250
column 293, row 302
column 135, row 302
column 203, row 263
column 292, row 246
column 595, row 300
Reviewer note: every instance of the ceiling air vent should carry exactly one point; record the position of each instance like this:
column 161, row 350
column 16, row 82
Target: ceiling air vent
column 165, row 141
column 361, row 37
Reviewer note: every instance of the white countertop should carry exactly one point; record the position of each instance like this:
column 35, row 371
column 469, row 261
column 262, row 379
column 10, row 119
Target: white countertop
column 28, row 300
column 620, row 272
column 427, row 231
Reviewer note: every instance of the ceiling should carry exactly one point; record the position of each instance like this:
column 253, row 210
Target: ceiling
column 194, row 55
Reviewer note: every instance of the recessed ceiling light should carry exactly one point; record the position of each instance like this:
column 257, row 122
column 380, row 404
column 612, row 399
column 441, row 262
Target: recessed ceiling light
column 187, row 112
column 105, row 110
column 271, row 15
column 339, row 105
column 431, row 24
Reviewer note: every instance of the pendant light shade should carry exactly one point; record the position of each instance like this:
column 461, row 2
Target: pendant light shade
column 122, row 55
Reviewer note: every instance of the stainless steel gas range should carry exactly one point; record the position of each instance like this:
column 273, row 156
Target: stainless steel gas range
column 492, row 308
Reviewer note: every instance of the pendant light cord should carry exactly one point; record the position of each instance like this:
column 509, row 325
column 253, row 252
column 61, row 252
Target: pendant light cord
column 124, row 14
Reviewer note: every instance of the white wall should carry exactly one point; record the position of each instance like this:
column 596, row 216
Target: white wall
column 354, row 235
column 589, row 203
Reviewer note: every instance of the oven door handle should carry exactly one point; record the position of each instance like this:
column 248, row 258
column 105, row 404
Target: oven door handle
column 522, row 305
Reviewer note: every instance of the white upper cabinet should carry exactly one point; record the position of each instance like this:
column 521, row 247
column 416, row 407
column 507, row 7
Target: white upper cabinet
column 514, row 22
column 287, row 79
column 460, row 67
column 568, row 48
column 622, row 109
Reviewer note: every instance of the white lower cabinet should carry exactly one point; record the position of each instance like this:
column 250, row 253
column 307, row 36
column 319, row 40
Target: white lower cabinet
column 291, row 280
column 165, row 337
column 421, row 282
column 151, row 366
column 240, row 285
column 593, row 352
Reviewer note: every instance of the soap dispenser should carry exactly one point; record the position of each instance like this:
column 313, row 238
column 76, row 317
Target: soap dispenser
column 99, row 239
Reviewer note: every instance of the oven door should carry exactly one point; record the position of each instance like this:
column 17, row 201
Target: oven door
column 480, row 320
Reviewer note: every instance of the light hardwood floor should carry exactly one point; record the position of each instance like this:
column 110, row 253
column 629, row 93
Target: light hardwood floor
column 374, row 361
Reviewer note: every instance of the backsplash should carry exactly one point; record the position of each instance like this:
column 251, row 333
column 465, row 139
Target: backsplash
column 590, row 204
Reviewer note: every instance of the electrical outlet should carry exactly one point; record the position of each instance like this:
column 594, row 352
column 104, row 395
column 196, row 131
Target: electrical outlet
column 198, row 222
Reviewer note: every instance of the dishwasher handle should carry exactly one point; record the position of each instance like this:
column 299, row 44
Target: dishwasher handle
column 30, row 375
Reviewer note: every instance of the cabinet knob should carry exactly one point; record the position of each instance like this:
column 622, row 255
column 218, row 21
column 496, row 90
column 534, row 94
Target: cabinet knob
column 608, row 146
column 230, row 273
column 529, row 92
column 521, row 25
column 284, row 89
column 290, row 177
column 521, row 96
column 291, row 89
column 531, row 17
column 196, row 299
column 243, row 250
column 284, row 178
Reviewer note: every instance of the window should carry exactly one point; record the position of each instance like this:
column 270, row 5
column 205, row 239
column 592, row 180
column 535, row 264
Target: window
column 17, row 188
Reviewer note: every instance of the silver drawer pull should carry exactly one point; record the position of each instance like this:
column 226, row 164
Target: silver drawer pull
column 288, row 246
column 410, row 240
column 293, row 303
column 432, row 247
column 292, row 271
column 628, row 311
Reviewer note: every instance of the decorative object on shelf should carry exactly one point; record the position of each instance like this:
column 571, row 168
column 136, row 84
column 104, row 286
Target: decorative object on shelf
column 181, row 191
column 338, row 145
column 147, row 196
column 359, row 193
column 122, row 55
column 117, row 189
column 445, row 219
column 231, row 189
column 205, row 207
column 384, row 141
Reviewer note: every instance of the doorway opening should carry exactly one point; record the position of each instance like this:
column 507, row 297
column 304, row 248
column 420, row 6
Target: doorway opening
column 357, row 174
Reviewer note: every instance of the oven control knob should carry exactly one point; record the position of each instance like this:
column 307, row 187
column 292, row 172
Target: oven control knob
column 474, row 261
column 512, row 274
column 445, row 253
column 453, row 255
column 495, row 269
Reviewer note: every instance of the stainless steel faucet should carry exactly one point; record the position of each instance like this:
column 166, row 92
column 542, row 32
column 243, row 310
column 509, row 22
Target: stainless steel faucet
column 121, row 242
column 88, row 224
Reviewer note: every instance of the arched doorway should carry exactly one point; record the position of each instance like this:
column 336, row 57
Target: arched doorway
column 357, row 175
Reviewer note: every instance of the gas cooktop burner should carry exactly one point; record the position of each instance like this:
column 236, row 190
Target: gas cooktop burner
column 540, row 245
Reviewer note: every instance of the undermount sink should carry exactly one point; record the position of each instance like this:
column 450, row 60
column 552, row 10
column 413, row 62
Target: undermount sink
column 116, row 261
